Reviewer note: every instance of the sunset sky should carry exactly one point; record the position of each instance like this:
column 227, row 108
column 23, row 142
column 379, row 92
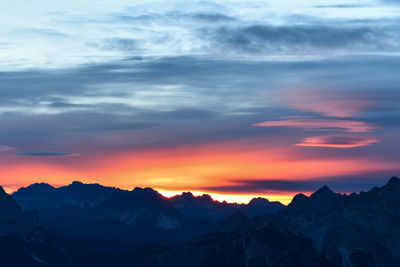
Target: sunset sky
column 231, row 98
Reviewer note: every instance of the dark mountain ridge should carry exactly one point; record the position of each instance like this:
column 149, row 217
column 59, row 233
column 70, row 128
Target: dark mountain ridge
column 138, row 217
column 323, row 229
column 46, row 198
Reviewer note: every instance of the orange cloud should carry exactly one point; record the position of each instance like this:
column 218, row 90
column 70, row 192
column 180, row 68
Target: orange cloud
column 337, row 141
column 321, row 124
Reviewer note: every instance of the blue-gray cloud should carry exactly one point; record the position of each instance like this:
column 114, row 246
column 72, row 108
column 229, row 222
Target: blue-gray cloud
column 212, row 17
column 120, row 44
column 44, row 153
column 304, row 39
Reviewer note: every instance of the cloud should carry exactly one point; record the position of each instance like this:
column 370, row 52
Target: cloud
column 340, row 6
column 337, row 141
column 317, row 124
column 44, row 153
column 120, row 44
column 212, row 17
column 305, row 39
column 330, row 103
column 6, row 148
column 391, row 1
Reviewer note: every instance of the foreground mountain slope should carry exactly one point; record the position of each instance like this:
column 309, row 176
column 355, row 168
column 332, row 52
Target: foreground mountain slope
column 8, row 206
column 23, row 243
column 267, row 245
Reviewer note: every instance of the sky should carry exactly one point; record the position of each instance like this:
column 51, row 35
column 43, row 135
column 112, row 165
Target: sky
column 231, row 98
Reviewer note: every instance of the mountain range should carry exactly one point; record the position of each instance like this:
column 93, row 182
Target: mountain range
column 92, row 225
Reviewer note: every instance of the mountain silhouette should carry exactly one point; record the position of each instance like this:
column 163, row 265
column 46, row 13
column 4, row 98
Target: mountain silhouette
column 8, row 206
column 205, row 206
column 93, row 225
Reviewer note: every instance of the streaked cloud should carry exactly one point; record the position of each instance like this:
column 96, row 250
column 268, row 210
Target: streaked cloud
column 337, row 141
column 4, row 148
column 317, row 124
column 303, row 39
column 212, row 17
column 44, row 153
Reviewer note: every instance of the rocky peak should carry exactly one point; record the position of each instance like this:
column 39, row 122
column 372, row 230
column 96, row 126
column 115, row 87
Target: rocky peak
column 2, row 192
column 258, row 201
column 323, row 192
column 298, row 199
column 187, row 195
column 8, row 206
column 394, row 183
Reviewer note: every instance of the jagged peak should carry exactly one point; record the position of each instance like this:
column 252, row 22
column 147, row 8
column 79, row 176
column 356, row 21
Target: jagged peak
column 258, row 200
column 325, row 190
column 187, row 194
column 299, row 198
column 36, row 187
column 41, row 185
column 145, row 191
column 394, row 181
column 137, row 189
column 76, row 183
column 206, row 197
column 2, row 191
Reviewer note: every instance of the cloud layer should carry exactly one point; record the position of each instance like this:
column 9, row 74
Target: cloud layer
column 185, row 95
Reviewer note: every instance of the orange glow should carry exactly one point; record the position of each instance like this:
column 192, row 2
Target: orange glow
column 174, row 170
column 235, row 198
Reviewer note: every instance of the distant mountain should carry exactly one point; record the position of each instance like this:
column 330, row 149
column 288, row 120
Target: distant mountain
column 42, row 196
column 205, row 206
column 45, row 198
column 140, row 216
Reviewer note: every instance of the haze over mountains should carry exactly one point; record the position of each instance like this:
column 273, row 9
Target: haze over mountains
column 93, row 225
